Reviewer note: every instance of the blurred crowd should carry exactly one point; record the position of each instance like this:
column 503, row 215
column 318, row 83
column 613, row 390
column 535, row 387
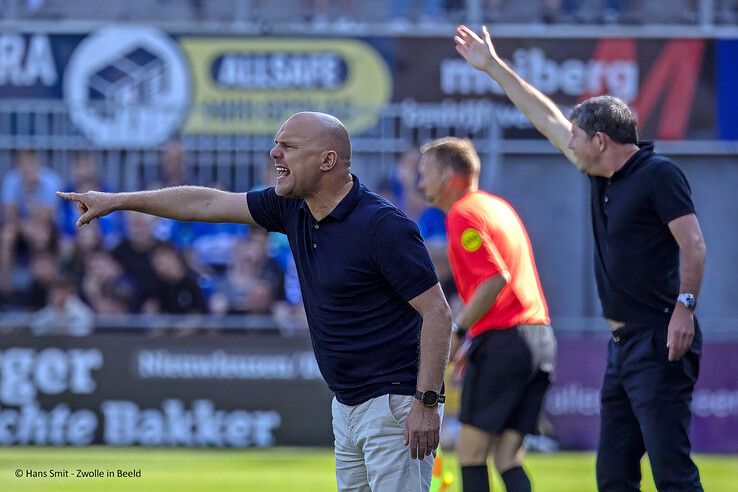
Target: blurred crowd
column 132, row 263
column 347, row 14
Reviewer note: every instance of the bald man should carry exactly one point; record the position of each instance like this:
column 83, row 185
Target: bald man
column 379, row 322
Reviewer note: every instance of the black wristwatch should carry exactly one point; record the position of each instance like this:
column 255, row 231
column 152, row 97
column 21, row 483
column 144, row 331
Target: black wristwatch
column 429, row 398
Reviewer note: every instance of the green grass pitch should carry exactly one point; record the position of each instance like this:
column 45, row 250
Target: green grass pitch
column 279, row 470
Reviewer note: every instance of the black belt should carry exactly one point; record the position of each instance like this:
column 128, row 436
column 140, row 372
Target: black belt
column 620, row 334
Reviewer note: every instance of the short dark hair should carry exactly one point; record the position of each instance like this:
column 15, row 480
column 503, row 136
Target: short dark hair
column 457, row 153
column 609, row 115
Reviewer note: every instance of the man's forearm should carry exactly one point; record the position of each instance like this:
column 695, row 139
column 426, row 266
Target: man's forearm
column 540, row 110
column 692, row 268
column 481, row 301
column 434, row 349
column 185, row 203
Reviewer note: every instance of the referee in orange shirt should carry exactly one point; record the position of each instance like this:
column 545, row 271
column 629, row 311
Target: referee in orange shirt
column 510, row 359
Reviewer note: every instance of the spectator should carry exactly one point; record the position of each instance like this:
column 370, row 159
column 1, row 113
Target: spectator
column 173, row 168
column 178, row 291
column 29, row 202
column 570, row 10
column 417, row 10
column 65, row 313
column 105, row 286
column 253, row 281
column 172, row 171
column 208, row 245
column 86, row 241
column 85, row 177
column 290, row 313
column 45, row 270
column 405, row 183
column 134, row 255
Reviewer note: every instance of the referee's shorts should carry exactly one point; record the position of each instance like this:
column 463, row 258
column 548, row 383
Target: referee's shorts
column 507, row 375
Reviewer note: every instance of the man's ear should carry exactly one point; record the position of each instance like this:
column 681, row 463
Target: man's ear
column 450, row 178
column 602, row 141
column 330, row 159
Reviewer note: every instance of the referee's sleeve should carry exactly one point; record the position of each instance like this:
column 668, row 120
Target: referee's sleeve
column 475, row 253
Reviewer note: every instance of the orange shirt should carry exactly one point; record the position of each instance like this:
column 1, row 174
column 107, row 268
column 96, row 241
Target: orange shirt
column 487, row 238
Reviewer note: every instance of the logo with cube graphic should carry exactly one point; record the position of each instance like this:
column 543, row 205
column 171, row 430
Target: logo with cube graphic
column 127, row 87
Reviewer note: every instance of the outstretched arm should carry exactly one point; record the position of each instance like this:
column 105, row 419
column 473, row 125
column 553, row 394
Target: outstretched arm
column 184, row 203
column 537, row 107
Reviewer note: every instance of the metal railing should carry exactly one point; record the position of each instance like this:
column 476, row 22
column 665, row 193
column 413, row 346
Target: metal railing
column 235, row 161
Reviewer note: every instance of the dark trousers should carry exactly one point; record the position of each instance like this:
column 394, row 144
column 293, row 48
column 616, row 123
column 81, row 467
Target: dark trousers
column 645, row 407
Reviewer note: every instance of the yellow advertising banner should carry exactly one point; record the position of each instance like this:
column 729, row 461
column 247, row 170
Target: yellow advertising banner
column 250, row 86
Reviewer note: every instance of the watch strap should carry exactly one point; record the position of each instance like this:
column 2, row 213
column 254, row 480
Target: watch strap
column 439, row 398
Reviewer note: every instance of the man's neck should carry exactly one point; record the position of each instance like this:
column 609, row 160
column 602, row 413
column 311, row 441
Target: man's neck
column 620, row 157
column 325, row 201
column 453, row 195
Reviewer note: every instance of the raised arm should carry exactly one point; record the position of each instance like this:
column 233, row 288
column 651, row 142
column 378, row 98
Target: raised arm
column 537, row 107
column 186, row 203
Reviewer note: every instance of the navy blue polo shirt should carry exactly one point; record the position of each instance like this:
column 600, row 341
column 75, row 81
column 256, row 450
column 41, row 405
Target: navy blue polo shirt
column 358, row 268
column 636, row 256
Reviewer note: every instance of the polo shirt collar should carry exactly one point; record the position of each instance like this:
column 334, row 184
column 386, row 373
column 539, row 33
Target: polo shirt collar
column 346, row 205
column 646, row 149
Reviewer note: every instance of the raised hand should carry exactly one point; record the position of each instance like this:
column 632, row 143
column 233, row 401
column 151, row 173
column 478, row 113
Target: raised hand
column 92, row 204
column 479, row 53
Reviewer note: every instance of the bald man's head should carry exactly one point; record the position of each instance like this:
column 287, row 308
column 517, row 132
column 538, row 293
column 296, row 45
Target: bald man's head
column 330, row 132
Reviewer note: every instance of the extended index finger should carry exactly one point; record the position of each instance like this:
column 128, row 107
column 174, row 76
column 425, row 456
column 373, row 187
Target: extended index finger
column 68, row 195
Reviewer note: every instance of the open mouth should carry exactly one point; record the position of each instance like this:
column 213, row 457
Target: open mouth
column 282, row 171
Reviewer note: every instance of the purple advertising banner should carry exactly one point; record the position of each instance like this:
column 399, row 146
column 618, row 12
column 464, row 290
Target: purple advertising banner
column 572, row 405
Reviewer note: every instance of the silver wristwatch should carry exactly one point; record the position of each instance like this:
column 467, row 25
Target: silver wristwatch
column 688, row 300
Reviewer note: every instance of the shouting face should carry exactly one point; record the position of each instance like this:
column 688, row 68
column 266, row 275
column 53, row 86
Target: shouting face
column 298, row 153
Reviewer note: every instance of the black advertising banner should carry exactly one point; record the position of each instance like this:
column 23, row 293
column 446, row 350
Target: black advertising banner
column 670, row 83
column 128, row 389
column 135, row 86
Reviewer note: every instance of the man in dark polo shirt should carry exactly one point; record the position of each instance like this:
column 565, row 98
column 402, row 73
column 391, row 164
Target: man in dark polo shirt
column 379, row 322
column 643, row 221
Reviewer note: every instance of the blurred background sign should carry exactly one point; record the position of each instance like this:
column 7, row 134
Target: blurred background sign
column 235, row 390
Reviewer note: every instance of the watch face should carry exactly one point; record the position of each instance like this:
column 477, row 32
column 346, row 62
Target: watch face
column 430, row 398
column 688, row 300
